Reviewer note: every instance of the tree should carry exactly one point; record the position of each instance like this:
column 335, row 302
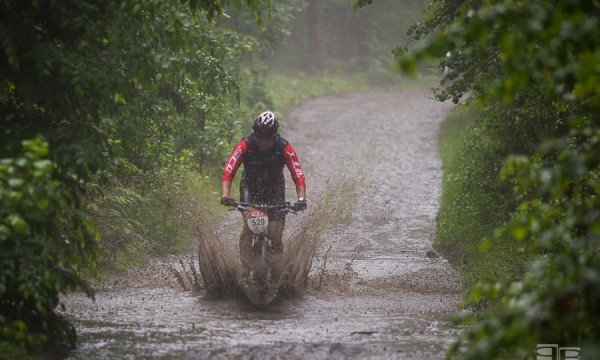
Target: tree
column 77, row 79
column 499, row 52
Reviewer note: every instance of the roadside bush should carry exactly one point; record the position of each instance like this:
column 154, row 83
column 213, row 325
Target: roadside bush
column 476, row 200
column 557, row 300
column 45, row 245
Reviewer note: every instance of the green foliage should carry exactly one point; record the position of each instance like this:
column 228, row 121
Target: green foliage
column 44, row 245
column 474, row 195
column 360, row 3
column 10, row 351
column 164, row 142
column 533, row 69
column 132, row 97
column 136, row 222
column 273, row 30
column 556, row 301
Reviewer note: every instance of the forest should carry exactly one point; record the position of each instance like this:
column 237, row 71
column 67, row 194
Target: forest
column 116, row 116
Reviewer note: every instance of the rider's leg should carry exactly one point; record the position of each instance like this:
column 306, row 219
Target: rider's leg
column 276, row 195
column 275, row 233
column 245, row 245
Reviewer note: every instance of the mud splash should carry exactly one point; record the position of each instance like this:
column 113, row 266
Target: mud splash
column 220, row 269
column 372, row 291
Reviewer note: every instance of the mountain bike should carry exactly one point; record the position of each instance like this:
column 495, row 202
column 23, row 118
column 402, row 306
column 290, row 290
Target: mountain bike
column 259, row 278
column 261, row 267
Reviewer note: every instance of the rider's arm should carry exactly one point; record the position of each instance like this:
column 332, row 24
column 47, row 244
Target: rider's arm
column 301, row 191
column 225, row 188
column 293, row 165
column 231, row 166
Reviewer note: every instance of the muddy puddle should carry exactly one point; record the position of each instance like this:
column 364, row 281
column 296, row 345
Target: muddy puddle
column 375, row 289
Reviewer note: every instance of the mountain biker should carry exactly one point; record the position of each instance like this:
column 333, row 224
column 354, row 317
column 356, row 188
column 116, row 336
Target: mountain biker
column 264, row 153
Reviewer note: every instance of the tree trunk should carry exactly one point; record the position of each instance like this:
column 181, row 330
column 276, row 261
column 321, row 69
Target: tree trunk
column 314, row 57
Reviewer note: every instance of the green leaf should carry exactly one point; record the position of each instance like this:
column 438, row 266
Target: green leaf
column 18, row 224
column 15, row 182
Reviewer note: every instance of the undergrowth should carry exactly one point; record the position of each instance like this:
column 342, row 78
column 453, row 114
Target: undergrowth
column 161, row 221
column 474, row 202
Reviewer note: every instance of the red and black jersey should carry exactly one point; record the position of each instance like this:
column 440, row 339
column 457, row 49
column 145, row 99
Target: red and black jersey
column 263, row 168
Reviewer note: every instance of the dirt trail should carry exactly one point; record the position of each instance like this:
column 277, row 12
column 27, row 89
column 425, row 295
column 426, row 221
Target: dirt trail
column 372, row 167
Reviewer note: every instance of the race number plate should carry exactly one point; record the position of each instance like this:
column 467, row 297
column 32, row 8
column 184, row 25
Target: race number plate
column 258, row 222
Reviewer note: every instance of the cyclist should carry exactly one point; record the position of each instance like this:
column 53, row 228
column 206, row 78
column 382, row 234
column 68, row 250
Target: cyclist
column 264, row 153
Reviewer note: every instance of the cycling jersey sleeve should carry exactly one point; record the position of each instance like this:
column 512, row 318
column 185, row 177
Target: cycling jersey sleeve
column 293, row 165
column 234, row 161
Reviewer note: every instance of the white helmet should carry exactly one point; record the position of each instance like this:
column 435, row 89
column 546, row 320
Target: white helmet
column 265, row 124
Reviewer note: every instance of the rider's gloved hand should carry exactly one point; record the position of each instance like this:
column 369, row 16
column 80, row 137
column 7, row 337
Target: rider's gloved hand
column 299, row 205
column 227, row 201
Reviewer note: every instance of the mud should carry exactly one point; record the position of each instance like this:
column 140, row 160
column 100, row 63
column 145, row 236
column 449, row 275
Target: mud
column 375, row 289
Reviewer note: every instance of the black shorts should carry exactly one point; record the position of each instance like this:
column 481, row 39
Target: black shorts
column 271, row 195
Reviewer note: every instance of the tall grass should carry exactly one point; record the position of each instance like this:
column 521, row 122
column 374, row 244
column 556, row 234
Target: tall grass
column 136, row 225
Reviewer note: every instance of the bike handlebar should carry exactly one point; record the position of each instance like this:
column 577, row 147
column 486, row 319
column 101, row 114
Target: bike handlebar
column 286, row 207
